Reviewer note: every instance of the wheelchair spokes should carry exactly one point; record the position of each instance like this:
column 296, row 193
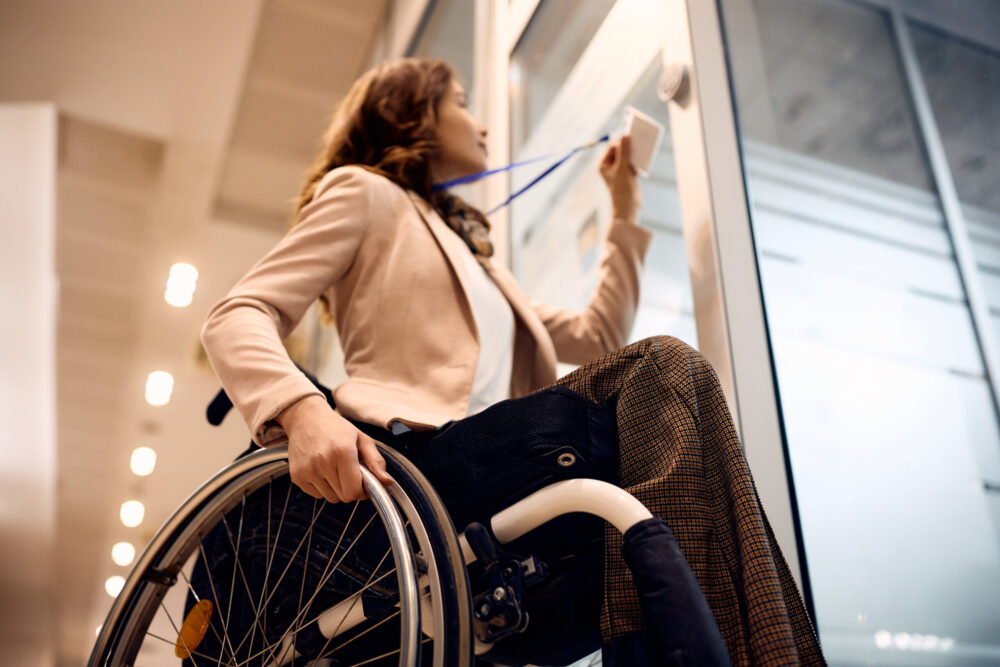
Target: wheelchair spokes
column 285, row 579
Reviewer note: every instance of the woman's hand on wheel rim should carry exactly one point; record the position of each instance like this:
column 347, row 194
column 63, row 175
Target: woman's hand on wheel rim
column 325, row 452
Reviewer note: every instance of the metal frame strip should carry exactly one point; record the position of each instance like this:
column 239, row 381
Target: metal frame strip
column 950, row 204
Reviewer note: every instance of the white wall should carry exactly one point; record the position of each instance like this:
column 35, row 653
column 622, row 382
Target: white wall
column 28, row 289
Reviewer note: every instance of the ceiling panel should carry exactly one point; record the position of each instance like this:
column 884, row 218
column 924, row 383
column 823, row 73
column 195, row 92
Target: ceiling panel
column 306, row 55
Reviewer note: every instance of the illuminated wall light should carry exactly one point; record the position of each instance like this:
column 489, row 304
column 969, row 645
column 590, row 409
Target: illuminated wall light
column 184, row 273
column 114, row 585
column 123, row 553
column 907, row 641
column 132, row 513
column 143, row 461
column 159, row 386
column 178, row 299
column 181, row 285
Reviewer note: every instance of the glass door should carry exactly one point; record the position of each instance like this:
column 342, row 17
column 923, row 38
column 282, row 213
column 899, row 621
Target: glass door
column 572, row 72
column 880, row 356
column 570, row 68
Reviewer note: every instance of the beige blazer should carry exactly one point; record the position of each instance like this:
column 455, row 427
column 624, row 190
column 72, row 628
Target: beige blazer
column 394, row 274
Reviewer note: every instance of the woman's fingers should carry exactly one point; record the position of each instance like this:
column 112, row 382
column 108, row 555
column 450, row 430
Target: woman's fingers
column 310, row 488
column 618, row 158
column 328, row 492
column 325, row 453
column 626, row 147
column 348, row 474
column 609, row 155
column 372, row 459
column 311, row 479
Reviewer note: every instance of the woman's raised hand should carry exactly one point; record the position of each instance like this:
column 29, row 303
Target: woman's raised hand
column 325, row 451
column 622, row 180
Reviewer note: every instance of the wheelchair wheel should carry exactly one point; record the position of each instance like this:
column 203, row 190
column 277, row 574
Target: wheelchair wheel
column 251, row 571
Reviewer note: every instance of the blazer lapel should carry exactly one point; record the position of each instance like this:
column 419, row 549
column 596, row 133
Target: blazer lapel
column 439, row 229
column 544, row 370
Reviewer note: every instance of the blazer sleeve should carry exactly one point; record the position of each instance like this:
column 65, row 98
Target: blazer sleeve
column 604, row 325
column 242, row 333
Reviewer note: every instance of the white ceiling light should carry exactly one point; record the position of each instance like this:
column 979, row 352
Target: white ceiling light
column 123, row 553
column 114, row 585
column 181, row 285
column 142, row 461
column 178, row 299
column 159, row 386
column 132, row 513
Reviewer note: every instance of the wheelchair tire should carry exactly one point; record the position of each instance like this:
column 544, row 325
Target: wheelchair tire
column 226, row 510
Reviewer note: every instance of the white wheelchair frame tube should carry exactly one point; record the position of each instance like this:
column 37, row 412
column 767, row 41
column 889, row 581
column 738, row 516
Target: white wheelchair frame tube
column 616, row 506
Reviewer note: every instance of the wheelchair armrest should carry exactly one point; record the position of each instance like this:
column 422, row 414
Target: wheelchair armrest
column 218, row 408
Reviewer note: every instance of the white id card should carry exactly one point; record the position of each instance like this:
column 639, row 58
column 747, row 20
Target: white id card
column 646, row 135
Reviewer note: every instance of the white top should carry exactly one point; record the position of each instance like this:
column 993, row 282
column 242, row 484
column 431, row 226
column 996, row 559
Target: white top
column 495, row 322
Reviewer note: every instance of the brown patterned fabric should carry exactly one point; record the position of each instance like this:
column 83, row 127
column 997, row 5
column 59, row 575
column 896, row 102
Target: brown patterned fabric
column 466, row 221
column 681, row 457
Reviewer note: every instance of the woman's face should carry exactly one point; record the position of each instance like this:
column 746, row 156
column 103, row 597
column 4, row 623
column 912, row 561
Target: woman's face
column 462, row 138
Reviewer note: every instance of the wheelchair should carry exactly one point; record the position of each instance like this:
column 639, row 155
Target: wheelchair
column 238, row 576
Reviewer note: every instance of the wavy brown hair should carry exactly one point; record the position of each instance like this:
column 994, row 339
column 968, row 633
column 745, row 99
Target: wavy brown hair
column 385, row 124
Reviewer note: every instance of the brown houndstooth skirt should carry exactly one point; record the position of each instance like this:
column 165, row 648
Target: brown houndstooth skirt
column 681, row 457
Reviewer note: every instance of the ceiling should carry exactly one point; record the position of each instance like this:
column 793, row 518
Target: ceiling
column 184, row 129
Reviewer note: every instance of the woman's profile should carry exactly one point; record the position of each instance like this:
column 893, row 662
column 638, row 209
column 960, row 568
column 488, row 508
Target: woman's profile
column 450, row 362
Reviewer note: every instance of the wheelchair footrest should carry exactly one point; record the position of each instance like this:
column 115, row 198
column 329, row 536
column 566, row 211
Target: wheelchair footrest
column 499, row 611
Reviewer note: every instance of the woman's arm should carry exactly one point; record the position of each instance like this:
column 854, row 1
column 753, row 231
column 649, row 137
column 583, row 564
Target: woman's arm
column 605, row 324
column 242, row 333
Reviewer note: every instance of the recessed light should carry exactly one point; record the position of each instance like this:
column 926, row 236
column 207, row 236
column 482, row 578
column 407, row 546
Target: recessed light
column 123, row 553
column 181, row 285
column 114, row 585
column 159, row 387
column 143, row 461
column 132, row 513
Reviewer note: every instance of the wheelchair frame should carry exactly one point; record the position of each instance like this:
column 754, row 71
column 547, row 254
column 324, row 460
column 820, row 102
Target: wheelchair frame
column 438, row 548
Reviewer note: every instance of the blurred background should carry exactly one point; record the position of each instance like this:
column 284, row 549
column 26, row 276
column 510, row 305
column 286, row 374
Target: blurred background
column 826, row 209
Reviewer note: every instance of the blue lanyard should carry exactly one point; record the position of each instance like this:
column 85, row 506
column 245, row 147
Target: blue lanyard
column 483, row 174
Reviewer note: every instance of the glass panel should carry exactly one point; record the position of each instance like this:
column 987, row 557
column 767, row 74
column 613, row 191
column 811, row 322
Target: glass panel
column 550, row 46
column 890, row 428
column 447, row 33
column 558, row 228
column 963, row 82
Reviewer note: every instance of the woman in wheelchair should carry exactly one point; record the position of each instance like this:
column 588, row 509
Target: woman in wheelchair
column 452, row 404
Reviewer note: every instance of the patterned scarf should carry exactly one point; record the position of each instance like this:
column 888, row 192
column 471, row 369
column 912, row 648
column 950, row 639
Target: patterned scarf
column 467, row 221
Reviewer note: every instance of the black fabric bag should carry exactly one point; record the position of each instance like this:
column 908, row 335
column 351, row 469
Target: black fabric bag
column 488, row 461
column 485, row 462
